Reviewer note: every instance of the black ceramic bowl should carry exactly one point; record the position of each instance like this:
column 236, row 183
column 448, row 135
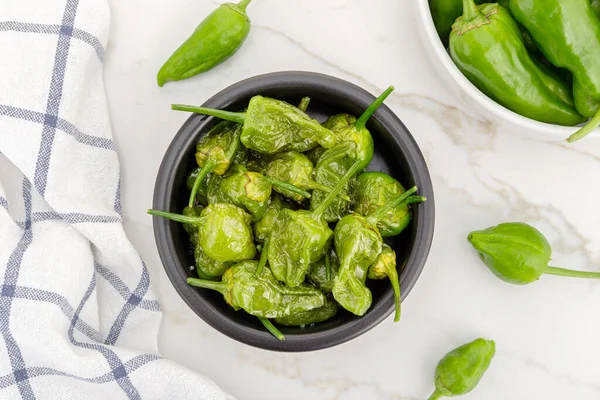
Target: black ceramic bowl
column 396, row 153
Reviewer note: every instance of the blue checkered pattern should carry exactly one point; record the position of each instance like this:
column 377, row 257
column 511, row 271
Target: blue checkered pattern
column 76, row 305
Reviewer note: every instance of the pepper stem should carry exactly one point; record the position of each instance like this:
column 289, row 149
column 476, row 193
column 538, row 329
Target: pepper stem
column 320, row 210
column 208, row 167
column 393, row 277
column 470, row 10
column 435, row 396
column 263, row 256
column 287, row 186
column 271, row 328
column 571, row 273
column 238, row 117
column 381, row 212
column 184, row 219
column 303, row 106
column 242, row 5
column 362, row 121
column 327, row 266
column 587, row 129
column 314, row 185
column 205, row 284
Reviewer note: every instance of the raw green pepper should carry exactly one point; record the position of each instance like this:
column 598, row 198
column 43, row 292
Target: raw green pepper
column 568, row 32
column 355, row 143
column 460, row 371
column 224, row 231
column 302, row 239
column 216, row 39
column 272, row 126
column 322, row 273
column 310, row 317
column 518, row 253
column 214, row 153
column 510, row 76
column 385, row 267
column 375, row 189
column 444, row 14
column 202, row 187
column 262, row 295
column 246, row 189
column 358, row 244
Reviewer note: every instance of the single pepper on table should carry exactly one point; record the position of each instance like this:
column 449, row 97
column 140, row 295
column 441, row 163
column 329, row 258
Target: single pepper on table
column 358, row 243
column 519, row 254
column 216, row 39
column 355, row 143
column 460, row 371
column 568, row 32
column 272, row 126
column 486, row 45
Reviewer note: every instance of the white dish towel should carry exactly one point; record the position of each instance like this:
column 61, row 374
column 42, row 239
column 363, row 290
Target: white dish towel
column 78, row 318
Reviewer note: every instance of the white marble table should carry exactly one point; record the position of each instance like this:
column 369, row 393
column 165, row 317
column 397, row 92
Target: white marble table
column 547, row 334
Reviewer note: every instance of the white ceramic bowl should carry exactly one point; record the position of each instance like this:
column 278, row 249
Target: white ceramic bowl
column 488, row 108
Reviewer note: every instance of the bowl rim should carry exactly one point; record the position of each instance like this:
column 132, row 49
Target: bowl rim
column 309, row 341
column 561, row 133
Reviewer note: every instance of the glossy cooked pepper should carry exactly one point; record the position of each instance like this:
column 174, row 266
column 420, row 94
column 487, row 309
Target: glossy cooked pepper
column 216, row 39
column 272, row 126
column 518, row 253
column 487, row 47
column 272, row 219
column 322, row 273
column 224, row 231
column 214, row 153
column 246, row 189
column 460, row 371
column 568, row 32
column 302, row 239
column 355, row 143
column 262, row 295
column 375, row 189
column 358, row 244
column 385, row 267
column 307, row 318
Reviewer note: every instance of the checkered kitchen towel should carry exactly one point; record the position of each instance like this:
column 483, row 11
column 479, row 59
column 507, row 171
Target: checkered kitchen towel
column 78, row 319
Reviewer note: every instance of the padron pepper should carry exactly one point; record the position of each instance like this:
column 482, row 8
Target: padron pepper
column 215, row 152
column 460, row 371
column 216, row 39
column 246, row 189
column 487, row 47
column 224, row 231
column 310, row 317
column 272, row 126
column 273, row 218
column 355, row 143
column 373, row 190
column 358, row 244
column 262, row 295
column 322, row 273
column 303, row 238
column 568, row 33
column 518, row 253
column 385, row 267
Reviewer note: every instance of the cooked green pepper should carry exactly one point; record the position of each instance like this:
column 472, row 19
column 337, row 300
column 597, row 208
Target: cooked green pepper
column 224, row 231
column 518, row 253
column 355, row 143
column 487, row 47
column 302, row 238
column 262, row 295
column 568, row 32
column 202, row 187
column 216, row 39
column 375, row 189
column 322, row 273
column 246, row 189
column 460, row 371
column 214, row 153
column 272, row 126
column 272, row 219
column 358, row 244
column 385, row 267
column 310, row 317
